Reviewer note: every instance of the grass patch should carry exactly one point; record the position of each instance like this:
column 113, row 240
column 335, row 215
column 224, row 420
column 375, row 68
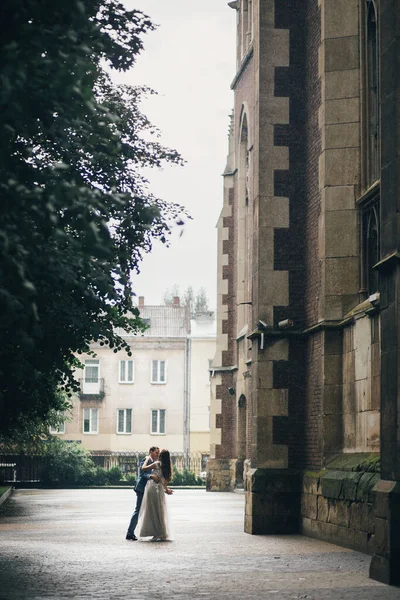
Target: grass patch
column 3, row 489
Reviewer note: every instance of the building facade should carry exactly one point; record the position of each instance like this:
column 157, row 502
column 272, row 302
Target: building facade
column 305, row 388
column 157, row 396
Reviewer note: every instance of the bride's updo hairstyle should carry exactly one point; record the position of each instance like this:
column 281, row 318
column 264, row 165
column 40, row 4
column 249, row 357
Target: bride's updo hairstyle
column 166, row 468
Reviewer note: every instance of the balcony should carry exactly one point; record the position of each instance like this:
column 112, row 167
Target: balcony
column 91, row 389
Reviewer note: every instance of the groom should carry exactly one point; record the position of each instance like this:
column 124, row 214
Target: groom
column 144, row 474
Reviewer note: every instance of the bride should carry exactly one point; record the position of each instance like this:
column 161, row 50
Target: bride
column 153, row 520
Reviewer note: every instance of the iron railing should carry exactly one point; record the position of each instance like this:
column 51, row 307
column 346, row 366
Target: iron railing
column 21, row 468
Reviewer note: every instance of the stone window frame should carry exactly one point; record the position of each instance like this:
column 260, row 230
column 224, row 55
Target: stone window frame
column 369, row 200
column 93, row 420
column 244, row 241
column 369, row 72
column 246, row 20
column 123, row 371
column 158, row 375
column 370, row 239
column 124, row 430
column 160, row 427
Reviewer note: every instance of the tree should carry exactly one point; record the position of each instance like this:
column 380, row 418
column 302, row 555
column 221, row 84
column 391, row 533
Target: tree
column 201, row 302
column 170, row 294
column 197, row 303
column 77, row 215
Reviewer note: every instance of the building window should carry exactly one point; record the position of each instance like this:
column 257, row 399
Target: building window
column 158, row 421
column 90, row 420
column 371, row 99
column 124, row 419
column 91, row 377
column 158, row 371
column 59, row 429
column 126, row 371
column 246, row 18
column 370, row 243
column 369, row 201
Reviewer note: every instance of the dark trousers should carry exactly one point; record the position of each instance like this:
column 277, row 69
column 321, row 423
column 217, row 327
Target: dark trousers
column 135, row 516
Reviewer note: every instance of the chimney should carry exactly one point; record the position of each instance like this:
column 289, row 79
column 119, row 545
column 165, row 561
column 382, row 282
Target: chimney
column 177, row 301
column 141, row 301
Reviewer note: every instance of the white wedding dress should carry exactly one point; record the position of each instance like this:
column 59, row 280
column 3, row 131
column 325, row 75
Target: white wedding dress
column 153, row 517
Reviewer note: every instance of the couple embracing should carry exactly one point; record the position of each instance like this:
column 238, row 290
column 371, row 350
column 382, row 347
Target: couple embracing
column 150, row 513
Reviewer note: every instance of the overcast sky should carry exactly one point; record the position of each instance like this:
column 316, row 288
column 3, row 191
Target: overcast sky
column 190, row 61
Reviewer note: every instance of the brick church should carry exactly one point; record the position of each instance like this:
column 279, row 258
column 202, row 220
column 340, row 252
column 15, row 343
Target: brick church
column 305, row 383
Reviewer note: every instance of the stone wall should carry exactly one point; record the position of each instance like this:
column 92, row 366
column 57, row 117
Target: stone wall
column 338, row 503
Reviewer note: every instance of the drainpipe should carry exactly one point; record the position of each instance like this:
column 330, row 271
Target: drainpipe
column 186, row 403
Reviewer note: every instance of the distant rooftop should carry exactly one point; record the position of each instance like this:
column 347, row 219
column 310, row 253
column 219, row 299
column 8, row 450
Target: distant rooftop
column 172, row 321
column 204, row 325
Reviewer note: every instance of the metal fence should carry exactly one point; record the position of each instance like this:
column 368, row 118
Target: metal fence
column 21, row 468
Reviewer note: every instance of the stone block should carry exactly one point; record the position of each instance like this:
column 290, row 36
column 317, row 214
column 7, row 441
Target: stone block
column 365, row 486
column 332, row 399
column 359, row 516
column 322, row 509
column 218, row 475
column 362, row 542
column 350, row 485
column 342, row 111
column 343, row 536
column 341, row 275
column 387, row 499
column 342, row 84
column 309, row 506
column 341, row 54
column 339, row 512
column 311, row 482
column 341, row 135
column 338, row 197
column 262, row 525
column 331, row 484
column 341, row 166
column 341, row 225
column 340, row 19
column 349, row 431
column 381, row 537
column 333, row 433
column 333, row 342
column 349, row 394
column 333, row 369
column 309, row 527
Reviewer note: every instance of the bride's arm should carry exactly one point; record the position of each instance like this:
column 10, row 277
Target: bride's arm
column 166, row 489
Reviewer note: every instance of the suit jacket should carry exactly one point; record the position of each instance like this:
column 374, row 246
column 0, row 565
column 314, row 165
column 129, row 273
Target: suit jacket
column 142, row 479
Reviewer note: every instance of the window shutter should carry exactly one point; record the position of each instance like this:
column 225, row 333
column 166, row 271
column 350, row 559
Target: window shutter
column 154, row 421
column 120, row 421
column 95, row 415
column 162, row 421
column 86, row 420
column 162, row 370
column 130, row 370
column 154, row 370
column 122, row 370
column 128, row 420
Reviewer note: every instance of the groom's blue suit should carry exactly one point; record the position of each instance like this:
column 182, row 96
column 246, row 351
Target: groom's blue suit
column 139, row 489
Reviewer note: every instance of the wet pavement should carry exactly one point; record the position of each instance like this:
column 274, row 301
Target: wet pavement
column 71, row 544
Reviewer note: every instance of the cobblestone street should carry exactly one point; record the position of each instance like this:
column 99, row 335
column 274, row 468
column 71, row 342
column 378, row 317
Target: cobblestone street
column 71, row 544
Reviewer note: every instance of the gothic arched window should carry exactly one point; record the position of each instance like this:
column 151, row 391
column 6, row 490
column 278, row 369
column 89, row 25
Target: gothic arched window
column 371, row 94
column 369, row 201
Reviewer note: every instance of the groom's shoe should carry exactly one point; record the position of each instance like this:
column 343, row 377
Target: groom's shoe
column 131, row 536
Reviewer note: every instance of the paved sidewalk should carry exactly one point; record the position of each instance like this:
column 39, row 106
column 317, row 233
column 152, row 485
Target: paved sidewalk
column 70, row 544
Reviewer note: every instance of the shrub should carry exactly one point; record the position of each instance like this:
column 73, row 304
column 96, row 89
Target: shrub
column 186, row 477
column 114, row 475
column 131, row 480
column 66, row 464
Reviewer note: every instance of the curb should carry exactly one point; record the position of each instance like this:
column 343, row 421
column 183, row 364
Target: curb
column 4, row 497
